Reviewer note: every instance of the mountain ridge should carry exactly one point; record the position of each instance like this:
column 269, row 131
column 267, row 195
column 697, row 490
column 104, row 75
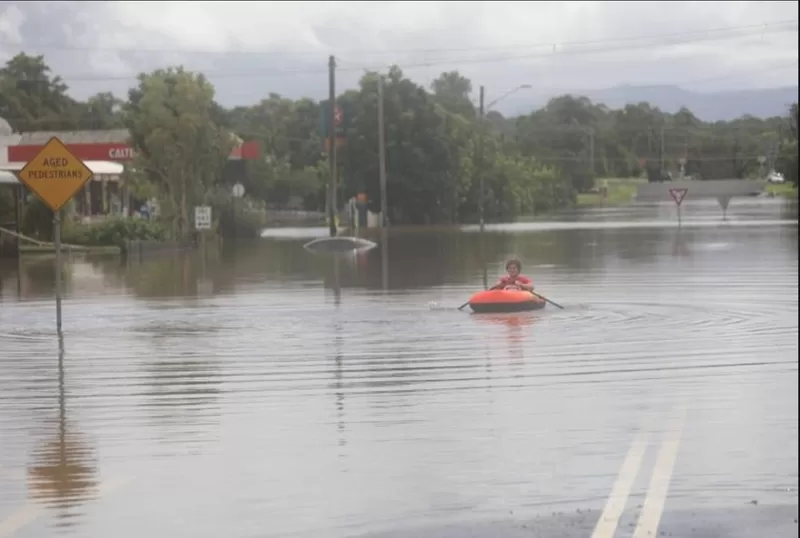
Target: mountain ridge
column 707, row 106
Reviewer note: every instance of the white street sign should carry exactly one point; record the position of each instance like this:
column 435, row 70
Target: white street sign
column 202, row 217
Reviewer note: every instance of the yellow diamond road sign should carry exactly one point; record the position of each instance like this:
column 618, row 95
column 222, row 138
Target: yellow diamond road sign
column 55, row 175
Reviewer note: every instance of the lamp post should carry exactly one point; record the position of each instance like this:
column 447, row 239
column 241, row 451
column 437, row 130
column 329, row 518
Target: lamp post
column 482, row 117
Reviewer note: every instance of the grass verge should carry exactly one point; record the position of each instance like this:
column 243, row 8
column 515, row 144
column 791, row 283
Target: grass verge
column 620, row 191
column 787, row 190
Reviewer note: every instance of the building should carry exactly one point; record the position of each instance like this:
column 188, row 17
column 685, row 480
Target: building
column 105, row 194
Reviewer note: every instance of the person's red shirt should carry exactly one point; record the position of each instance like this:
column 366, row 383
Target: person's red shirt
column 508, row 280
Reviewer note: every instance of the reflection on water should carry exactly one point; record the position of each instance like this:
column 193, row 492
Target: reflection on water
column 262, row 390
column 62, row 473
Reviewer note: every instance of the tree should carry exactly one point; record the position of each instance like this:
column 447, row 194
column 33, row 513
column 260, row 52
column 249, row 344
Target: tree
column 33, row 100
column 563, row 134
column 788, row 154
column 178, row 145
column 452, row 91
column 101, row 111
column 289, row 135
column 422, row 165
column 532, row 163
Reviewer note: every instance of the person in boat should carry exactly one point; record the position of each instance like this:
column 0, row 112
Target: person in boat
column 514, row 280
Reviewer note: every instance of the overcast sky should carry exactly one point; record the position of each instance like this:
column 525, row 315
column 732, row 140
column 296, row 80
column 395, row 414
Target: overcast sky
column 249, row 49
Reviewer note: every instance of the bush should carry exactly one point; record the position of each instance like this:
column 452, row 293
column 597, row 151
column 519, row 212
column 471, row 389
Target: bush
column 243, row 218
column 113, row 231
column 37, row 219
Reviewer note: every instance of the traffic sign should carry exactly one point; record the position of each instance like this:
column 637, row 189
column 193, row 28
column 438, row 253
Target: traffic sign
column 202, row 217
column 340, row 120
column 55, row 175
column 678, row 195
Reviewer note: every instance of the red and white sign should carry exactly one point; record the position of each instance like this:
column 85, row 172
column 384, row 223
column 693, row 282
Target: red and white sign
column 337, row 115
column 678, row 195
column 115, row 151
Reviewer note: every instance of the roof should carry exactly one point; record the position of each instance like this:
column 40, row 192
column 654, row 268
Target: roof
column 7, row 178
column 105, row 136
column 119, row 136
column 7, row 175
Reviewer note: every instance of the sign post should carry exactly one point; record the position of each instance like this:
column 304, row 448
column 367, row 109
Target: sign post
column 55, row 175
column 678, row 195
column 723, row 203
column 238, row 192
column 202, row 222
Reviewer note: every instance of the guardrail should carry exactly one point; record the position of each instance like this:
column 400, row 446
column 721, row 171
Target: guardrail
column 714, row 188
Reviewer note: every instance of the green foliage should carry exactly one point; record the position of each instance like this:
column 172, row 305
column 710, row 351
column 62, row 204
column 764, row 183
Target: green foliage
column 113, row 231
column 437, row 148
column 787, row 163
column 170, row 116
column 6, row 204
column 37, row 219
column 33, row 100
column 240, row 218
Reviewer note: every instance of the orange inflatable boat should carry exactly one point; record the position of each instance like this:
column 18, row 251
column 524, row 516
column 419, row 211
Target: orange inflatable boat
column 505, row 301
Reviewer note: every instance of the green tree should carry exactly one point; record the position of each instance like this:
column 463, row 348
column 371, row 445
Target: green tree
column 288, row 132
column 423, row 171
column 788, row 153
column 179, row 147
column 452, row 91
column 101, row 111
column 33, row 100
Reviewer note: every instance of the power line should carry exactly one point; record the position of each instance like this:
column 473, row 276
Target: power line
column 749, row 31
column 578, row 52
column 757, row 28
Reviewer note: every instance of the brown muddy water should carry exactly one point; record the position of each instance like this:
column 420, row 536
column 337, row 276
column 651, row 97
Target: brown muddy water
column 263, row 391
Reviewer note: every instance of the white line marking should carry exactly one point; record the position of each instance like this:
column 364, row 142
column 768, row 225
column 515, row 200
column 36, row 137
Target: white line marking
column 609, row 519
column 650, row 516
column 32, row 510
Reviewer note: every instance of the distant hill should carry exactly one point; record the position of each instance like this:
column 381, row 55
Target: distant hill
column 712, row 106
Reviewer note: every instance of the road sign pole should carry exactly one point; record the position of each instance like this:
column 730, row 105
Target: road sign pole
column 55, row 175
column 678, row 195
column 57, row 242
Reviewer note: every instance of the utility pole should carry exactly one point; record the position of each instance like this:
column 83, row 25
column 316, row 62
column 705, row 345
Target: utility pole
column 479, row 165
column 331, row 134
column 661, row 157
column 382, row 153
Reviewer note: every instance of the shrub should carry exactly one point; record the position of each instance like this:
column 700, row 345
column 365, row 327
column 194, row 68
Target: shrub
column 113, row 231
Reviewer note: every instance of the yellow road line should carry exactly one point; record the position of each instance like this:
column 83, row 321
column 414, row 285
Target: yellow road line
column 609, row 519
column 656, row 498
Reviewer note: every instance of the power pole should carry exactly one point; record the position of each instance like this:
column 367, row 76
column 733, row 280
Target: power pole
column 331, row 134
column 479, row 164
column 661, row 157
column 382, row 153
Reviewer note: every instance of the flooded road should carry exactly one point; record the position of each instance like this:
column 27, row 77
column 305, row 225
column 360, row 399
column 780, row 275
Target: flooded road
column 265, row 391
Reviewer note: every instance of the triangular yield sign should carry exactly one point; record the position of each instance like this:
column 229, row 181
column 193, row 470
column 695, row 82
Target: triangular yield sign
column 678, row 195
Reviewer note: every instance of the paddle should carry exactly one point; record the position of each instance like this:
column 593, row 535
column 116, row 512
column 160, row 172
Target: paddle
column 542, row 297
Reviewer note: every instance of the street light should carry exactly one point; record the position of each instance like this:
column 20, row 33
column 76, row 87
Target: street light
column 479, row 167
column 509, row 92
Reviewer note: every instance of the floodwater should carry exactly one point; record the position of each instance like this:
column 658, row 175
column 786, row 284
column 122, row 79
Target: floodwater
column 266, row 391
